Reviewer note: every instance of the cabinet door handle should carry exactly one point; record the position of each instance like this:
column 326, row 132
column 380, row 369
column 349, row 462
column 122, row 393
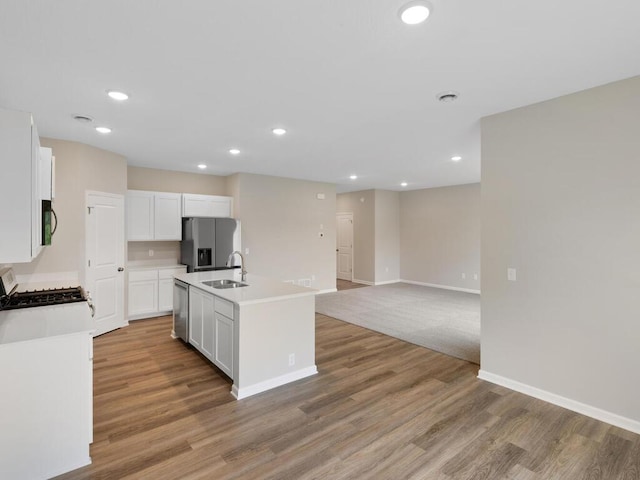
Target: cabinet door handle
column 121, row 269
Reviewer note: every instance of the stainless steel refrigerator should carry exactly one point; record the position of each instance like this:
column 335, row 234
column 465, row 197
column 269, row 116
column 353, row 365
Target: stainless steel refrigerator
column 207, row 243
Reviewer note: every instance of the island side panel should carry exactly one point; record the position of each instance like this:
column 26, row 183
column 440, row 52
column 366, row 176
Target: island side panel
column 267, row 334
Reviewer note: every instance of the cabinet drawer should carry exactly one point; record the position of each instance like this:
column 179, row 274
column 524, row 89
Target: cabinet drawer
column 170, row 272
column 142, row 275
column 224, row 307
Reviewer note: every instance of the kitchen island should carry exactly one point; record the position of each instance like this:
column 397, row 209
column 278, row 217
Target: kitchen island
column 261, row 335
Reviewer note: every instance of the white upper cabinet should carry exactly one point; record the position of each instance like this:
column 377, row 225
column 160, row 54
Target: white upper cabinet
column 153, row 216
column 46, row 174
column 206, row 205
column 20, row 194
column 140, row 215
column 168, row 222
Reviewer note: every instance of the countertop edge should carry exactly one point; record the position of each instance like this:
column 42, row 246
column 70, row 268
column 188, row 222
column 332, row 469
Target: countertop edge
column 240, row 303
column 263, row 288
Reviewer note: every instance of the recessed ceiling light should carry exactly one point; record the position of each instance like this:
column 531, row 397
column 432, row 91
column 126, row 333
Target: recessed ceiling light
column 416, row 12
column 120, row 96
column 353, row 177
column 202, row 166
column 83, row 118
column 103, row 129
column 404, row 184
column 234, row 151
column 448, row 96
column 456, row 158
column 279, row 131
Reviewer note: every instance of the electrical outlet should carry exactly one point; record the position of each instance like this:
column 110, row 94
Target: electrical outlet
column 292, row 359
column 151, row 253
column 475, row 276
column 511, row 274
column 464, row 276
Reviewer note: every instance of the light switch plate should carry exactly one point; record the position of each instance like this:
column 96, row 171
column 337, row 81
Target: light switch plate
column 511, row 274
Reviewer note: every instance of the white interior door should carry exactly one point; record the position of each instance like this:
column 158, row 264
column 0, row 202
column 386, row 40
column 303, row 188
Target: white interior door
column 105, row 259
column 344, row 250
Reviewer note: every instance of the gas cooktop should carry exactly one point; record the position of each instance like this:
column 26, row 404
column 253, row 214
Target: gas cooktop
column 10, row 298
column 40, row 298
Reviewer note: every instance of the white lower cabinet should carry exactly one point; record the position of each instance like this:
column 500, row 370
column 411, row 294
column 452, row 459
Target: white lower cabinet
column 151, row 291
column 211, row 328
column 47, row 405
column 224, row 344
column 201, row 329
column 165, row 287
column 143, row 292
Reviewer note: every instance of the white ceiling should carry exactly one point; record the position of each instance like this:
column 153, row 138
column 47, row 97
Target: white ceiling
column 353, row 85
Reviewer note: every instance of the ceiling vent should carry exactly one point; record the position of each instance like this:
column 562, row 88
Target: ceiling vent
column 448, row 97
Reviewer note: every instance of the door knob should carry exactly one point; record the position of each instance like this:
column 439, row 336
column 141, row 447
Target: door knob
column 121, row 269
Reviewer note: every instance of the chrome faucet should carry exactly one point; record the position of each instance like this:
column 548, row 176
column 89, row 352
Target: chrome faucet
column 243, row 271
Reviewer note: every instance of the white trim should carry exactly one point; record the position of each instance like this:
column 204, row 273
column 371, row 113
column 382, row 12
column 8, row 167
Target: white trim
column 387, row 282
column 573, row 405
column 142, row 316
column 326, row 290
column 362, row 282
column 244, row 392
column 101, row 194
column 445, row 287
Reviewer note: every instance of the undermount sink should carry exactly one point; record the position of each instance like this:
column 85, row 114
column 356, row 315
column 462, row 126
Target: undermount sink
column 224, row 283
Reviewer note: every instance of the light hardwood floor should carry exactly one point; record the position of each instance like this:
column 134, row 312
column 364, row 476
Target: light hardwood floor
column 347, row 285
column 379, row 408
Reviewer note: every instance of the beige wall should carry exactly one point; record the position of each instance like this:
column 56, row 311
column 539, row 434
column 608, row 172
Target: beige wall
column 176, row 182
column 440, row 236
column 387, row 236
column 79, row 168
column 166, row 251
column 281, row 221
column 561, row 204
column 363, row 206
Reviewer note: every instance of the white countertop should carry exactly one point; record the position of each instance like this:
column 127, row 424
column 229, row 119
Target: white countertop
column 24, row 324
column 258, row 290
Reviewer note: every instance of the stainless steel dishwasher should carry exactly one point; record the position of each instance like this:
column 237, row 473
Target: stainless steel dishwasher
column 181, row 309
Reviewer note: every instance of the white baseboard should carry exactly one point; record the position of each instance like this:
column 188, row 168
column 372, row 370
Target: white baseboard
column 327, row 290
column 260, row 387
column 363, row 282
column 573, row 405
column 387, row 282
column 142, row 316
column 444, row 287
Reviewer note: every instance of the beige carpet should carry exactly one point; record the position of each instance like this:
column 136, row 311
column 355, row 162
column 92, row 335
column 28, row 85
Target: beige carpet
column 443, row 320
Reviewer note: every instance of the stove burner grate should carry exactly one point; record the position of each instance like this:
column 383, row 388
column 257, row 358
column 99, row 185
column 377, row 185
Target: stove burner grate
column 41, row 298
